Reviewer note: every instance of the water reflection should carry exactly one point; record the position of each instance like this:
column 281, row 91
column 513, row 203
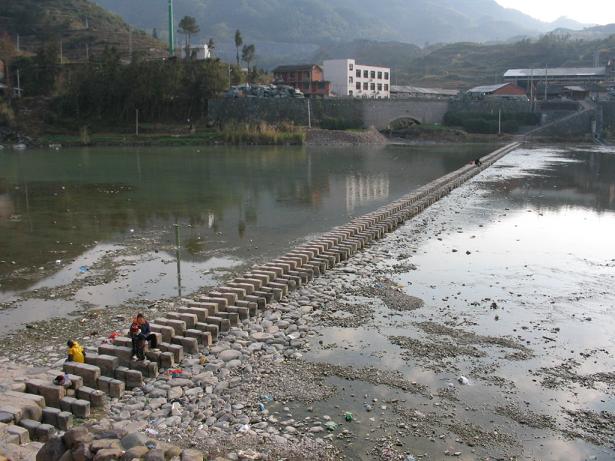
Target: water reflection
column 583, row 178
column 364, row 189
column 242, row 202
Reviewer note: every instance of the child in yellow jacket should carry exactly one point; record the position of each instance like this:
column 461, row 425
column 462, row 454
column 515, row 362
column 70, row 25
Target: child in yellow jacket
column 75, row 352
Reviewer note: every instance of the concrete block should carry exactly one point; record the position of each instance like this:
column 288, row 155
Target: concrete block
column 202, row 337
column 131, row 378
column 20, row 432
column 166, row 360
column 37, row 399
column 106, row 363
column 175, row 349
column 188, row 319
column 178, row 325
column 94, row 396
column 116, row 388
column 190, row 345
column 30, row 425
column 232, row 317
column 89, row 373
column 166, row 332
column 243, row 312
column 208, row 327
column 66, row 403
column 50, row 416
column 20, row 408
column 44, row 432
column 7, row 418
column 148, row 369
column 123, row 353
column 223, row 325
column 219, row 301
column 80, row 408
column 103, row 384
column 201, row 314
column 65, row 420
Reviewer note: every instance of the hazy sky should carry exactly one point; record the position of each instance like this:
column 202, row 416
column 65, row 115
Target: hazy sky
column 586, row 11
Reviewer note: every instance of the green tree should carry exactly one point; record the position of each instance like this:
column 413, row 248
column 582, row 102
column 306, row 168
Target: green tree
column 247, row 54
column 188, row 27
column 238, row 43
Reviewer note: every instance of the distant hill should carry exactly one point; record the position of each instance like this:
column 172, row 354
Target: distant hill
column 468, row 64
column 74, row 23
column 324, row 21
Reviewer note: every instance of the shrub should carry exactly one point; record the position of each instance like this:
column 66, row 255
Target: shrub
column 331, row 123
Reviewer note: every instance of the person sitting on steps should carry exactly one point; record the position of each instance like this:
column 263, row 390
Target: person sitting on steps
column 141, row 334
column 75, row 352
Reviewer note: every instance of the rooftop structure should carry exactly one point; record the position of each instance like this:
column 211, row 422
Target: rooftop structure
column 500, row 89
column 408, row 91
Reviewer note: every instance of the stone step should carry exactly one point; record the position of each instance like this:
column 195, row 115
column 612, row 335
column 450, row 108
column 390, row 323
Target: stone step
column 38, row 431
column 13, row 434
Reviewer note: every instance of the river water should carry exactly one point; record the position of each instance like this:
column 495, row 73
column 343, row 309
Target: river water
column 516, row 270
column 95, row 227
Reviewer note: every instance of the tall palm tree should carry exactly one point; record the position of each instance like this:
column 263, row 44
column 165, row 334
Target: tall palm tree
column 238, row 43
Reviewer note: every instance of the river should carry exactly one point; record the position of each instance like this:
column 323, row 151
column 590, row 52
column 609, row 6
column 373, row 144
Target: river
column 94, row 227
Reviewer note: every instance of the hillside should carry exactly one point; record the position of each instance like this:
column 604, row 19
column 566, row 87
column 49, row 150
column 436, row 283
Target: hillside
column 324, row 21
column 77, row 24
column 468, row 64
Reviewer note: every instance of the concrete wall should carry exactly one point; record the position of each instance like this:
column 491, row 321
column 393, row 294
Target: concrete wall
column 364, row 112
column 575, row 126
column 608, row 112
column 490, row 105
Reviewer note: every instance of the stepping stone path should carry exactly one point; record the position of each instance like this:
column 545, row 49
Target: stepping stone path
column 36, row 409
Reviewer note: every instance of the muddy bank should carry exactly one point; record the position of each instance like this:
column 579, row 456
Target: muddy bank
column 318, row 137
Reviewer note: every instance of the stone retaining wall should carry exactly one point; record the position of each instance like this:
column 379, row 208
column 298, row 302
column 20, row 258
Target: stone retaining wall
column 377, row 113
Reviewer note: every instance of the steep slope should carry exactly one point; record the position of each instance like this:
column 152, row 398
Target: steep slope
column 321, row 21
column 81, row 26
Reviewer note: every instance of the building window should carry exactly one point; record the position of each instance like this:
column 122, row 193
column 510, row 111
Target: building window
column 372, row 86
column 358, row 73
column 350, row 93
column 350, row 79
column 386, row 75
column 380, row 87
column 386, row 87
column 379, row 75
column 307, row 76
column 365, row 74
column 358, row 86
column 373, row 74
column 366, row 86
column 351, row 66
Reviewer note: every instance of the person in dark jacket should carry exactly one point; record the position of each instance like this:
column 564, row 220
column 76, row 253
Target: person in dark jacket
column 141, row 334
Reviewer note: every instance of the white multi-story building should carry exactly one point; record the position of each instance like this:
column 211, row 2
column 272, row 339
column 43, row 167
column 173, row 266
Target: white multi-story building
column 356, row 80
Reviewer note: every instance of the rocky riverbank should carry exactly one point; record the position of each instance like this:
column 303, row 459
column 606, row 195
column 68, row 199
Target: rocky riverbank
column 387, row 356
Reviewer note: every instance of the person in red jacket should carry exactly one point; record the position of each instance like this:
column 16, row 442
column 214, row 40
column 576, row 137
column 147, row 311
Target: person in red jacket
column 141, row 334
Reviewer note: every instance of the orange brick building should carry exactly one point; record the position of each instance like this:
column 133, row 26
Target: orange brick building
column 308, row 78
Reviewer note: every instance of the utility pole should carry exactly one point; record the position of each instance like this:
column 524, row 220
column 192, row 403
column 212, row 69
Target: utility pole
column 171, row 29
column 309, row 109
column 87, row 52
column 18, row 84
column 500, row 121
column 130, row 43
column 178, row 256
column 137, row 122
column 546, row 81
column 87, row 23
column 61, row 53
column 532, row 90
column 18, row 46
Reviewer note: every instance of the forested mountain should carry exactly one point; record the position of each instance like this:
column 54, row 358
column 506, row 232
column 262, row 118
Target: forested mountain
column 321, row 21
column 81, row 26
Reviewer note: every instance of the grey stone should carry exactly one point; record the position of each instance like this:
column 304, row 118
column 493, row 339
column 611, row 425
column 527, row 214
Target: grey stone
column 229, row 355
column 132, row 440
